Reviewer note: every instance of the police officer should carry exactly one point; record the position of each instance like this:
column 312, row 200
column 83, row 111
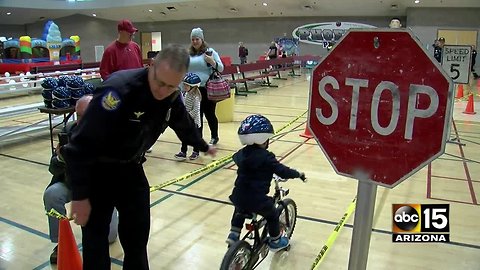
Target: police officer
column 437, row 49
column 105, row 155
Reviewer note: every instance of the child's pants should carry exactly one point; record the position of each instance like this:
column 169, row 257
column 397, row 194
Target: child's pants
column 268, row 211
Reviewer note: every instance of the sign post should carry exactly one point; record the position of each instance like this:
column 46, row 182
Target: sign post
column 380, row 109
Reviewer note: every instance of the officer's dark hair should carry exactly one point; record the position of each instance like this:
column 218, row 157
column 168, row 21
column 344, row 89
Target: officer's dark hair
column 176, row 55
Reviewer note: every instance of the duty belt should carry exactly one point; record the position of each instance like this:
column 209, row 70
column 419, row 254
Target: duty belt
column 134, row 160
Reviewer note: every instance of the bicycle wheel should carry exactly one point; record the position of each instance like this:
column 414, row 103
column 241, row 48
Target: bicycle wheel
column 288, row 226
column 237, row 257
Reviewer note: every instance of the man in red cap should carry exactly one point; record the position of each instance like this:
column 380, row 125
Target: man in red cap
column 123, row 53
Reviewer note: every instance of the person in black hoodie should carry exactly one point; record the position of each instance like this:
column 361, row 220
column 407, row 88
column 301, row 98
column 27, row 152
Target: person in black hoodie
column 256, row 166
column 58, row 192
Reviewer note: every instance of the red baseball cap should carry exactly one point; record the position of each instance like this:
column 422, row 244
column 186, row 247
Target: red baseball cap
column 127, row 26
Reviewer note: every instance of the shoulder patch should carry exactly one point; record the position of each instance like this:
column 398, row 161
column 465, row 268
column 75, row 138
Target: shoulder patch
column 111, row 100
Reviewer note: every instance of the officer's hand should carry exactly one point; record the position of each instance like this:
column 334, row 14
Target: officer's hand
column 212, row 151
column 81, row 211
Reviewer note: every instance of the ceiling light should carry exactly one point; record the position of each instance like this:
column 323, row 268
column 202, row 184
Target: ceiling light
column 417, row 1
column 9, row 13
column 150, row 10
column 265, row 4
column 94, row 15
column 233, row 10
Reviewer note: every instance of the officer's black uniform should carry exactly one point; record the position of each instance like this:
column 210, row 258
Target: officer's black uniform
column 104, row 162
column 437, row 53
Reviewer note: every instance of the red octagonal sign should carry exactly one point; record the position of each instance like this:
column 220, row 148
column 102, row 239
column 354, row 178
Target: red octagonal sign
column 380, row 107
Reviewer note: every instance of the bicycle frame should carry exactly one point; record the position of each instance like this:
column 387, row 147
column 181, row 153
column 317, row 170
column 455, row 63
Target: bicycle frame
column 260, row 239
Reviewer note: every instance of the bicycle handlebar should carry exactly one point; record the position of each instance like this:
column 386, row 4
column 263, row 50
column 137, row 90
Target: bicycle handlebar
column 280, row 179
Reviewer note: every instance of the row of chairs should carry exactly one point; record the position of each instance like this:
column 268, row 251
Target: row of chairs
column 263, row 69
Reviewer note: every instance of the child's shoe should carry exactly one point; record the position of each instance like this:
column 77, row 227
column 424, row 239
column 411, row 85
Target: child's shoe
column 181, row 156
column 194, row 156
column 279, row 244
column 232, row 238
column 214, row 141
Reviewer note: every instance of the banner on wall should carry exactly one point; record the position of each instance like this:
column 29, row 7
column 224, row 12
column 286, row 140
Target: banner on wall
column 326, row 33
column 288, row 45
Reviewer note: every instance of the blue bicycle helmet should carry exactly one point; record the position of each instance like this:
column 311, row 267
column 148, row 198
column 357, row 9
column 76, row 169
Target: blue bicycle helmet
column 62, row 80
column 255, row 129
column 75, row 82
column 47, row 94
column 78, row 93
column 49, row 83
column 61, row 93
column 88, row 88
column 60, row 104
column 192, row 79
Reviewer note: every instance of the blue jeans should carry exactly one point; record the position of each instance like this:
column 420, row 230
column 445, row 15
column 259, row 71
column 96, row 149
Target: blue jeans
column 56, row 196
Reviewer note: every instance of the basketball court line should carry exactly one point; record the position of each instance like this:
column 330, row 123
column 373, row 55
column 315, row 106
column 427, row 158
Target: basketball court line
column 24, row 159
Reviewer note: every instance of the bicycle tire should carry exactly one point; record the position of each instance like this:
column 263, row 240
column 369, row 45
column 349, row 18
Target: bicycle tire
column 232, row 254
column 292, row 211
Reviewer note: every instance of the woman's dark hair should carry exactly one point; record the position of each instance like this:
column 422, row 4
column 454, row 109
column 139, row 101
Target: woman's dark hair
column 193, row 52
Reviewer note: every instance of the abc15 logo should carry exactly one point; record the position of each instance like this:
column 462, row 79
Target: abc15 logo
column 420, row 218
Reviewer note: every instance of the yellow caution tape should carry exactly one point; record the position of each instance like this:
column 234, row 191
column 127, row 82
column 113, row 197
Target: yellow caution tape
column 210, row 166
column 217, row 163
column 54, row 213
column 333, row 236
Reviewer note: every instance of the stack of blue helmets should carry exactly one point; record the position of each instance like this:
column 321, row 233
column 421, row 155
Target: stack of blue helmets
column 75, row 85
column 48, row 85
column 61, row 97
column 64, row 91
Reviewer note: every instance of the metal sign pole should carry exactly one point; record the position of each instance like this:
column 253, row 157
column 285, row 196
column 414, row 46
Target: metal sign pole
column 362, row 228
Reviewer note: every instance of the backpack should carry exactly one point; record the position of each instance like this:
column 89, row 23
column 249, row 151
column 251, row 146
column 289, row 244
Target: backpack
column 246, row 51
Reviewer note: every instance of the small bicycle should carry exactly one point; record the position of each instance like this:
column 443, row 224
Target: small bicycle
column 246, row 253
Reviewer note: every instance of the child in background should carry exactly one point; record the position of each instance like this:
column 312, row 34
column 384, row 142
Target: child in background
column 256, row 167
column 191, row 98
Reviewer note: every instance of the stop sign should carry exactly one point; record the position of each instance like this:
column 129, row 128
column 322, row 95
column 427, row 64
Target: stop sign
column 379, row 106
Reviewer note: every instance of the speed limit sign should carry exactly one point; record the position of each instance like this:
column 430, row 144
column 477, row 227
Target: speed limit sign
column 456, row 61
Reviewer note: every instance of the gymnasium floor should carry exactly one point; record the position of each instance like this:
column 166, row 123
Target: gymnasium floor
column 190, row 219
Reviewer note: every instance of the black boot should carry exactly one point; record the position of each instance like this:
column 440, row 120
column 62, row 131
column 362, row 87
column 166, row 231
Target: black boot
column 53, row 256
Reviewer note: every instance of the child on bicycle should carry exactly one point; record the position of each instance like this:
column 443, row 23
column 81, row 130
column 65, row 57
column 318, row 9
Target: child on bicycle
column 256, row 167
column 191, row 98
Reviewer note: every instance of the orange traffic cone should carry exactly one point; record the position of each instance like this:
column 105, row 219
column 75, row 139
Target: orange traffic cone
column 68, row 254
column 459, row 91
column 306, row 133
column 470, row 106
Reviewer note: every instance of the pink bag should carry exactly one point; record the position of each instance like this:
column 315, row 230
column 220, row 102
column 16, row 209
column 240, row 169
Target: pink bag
column 217, row 88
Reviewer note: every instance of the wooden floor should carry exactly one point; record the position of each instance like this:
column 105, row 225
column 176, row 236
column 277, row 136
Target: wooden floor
column 190, row 220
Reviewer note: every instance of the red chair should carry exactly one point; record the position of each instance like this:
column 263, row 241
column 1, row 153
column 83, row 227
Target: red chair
column 226, row 60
